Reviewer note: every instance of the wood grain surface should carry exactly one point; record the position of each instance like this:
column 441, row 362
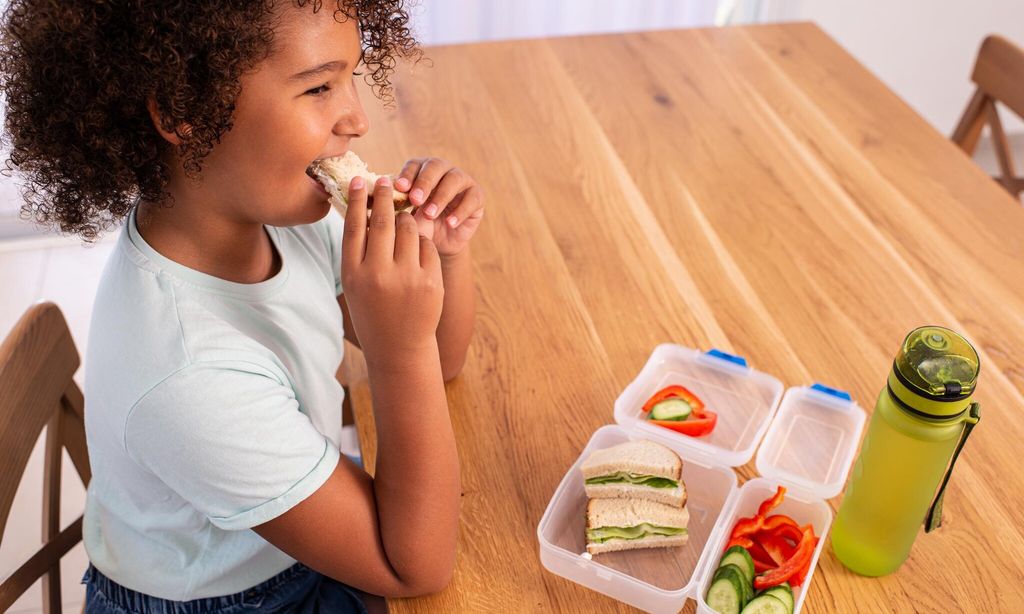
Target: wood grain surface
column 753, row 189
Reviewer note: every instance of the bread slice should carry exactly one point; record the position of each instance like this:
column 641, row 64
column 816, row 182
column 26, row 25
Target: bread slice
column 631, row 513
column 336, row 173
column 654, row 541
column 676, row 497
column 638, row 457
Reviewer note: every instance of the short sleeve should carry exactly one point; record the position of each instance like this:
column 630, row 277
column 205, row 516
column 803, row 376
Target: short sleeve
column 231, row 441
column 334, row 226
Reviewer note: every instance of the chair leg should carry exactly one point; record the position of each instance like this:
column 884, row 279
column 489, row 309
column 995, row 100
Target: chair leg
column 1018, row 185
column 969, row 129
column 1009, row 177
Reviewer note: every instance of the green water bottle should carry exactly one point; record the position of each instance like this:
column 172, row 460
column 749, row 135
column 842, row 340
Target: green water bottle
column 920, row 424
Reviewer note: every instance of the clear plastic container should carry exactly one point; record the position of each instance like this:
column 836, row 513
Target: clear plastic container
column 656, row 580
column 743, row 398
column 825, row 422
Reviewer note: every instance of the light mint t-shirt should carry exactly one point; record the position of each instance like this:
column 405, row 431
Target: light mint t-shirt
column 210, row 407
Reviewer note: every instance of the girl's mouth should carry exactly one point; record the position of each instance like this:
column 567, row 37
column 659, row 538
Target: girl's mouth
column 316, row 183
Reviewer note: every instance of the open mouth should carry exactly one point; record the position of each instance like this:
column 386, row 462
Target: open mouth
column 316, row 181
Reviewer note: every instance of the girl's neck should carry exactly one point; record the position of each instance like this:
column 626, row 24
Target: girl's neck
column 206, row 241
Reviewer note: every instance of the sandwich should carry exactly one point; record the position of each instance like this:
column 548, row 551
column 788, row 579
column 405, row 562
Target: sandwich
column 635, row 470
column 336, row 173
column 631, row 524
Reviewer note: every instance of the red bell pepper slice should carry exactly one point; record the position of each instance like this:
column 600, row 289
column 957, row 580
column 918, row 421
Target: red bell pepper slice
column 793, row 565
column 739, row 541
column 674, row 392
column 747, row 526
column 786, row 531
column 696, row 426
column 760, row 567
column 772, row 523
column 757, row 552
column 799, row 577
column 777, row 548
column 769, row 504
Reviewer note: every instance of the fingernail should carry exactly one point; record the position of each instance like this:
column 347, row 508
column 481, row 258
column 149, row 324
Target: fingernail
column 453, row 222
column 384, row 181
column 357, row 184
column 402, row 183
column 416, row 195
column 432, row 210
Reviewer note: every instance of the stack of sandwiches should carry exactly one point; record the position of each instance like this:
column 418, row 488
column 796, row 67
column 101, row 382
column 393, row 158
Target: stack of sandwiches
column 636, row 498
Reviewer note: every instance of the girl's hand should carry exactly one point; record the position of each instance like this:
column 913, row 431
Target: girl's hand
column 451, row 203
column 391, row 277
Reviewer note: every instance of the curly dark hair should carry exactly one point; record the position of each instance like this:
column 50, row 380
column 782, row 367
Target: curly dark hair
column 76, row 77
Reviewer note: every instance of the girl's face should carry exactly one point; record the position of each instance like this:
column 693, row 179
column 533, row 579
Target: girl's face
column 299, row 105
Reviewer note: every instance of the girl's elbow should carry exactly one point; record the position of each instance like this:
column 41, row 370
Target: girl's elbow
column 437, row 582
column 431, row 581
column 451, row 369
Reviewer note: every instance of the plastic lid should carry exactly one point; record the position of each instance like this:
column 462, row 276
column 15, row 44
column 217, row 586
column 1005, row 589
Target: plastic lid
column 744, row 400
column 937, row 363
column 811, row 443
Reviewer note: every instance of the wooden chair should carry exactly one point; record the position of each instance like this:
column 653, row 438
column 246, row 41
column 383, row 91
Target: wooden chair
column 37, row 361
column 999, row 75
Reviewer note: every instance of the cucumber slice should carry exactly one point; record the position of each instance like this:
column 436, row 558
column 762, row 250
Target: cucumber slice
column 765, row 604
column 738, row 556
column 783, row 593
column 726, row 594
column 746, row 588
column 671, row 409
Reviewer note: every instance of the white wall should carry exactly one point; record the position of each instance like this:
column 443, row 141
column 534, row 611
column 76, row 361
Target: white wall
column 923, row 49
column 441, row 22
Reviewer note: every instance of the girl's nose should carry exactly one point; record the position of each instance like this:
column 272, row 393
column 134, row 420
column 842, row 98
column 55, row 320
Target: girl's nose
column 352, row 120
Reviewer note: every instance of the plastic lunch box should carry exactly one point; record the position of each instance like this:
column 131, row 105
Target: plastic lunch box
column 810, row 435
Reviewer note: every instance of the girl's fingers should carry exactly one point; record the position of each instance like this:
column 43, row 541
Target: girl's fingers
column 380, row 236
column 353, row 243
column 430, row 261
column 407, row 239
column 430, row 173
column 453, row 182
column 404, row 179
column 468, row 204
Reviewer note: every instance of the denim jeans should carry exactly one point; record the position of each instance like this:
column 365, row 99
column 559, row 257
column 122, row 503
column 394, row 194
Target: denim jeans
column 297, row 589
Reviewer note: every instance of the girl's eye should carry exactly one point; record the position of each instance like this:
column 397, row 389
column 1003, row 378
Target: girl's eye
column 319, row 91
column 358, row 74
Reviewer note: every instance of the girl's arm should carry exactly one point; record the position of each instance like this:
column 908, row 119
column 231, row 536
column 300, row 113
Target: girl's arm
column 456, row 326
column 393, row 534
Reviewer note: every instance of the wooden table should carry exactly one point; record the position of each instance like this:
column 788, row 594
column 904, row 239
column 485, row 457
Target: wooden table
column 752, row 189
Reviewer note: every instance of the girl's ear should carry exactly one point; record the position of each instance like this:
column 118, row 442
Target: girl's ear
column 173, row 137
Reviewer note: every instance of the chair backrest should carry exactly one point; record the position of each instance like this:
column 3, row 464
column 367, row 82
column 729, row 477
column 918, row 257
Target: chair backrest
column 999, row 72
column 37, row 362
column 999, row 75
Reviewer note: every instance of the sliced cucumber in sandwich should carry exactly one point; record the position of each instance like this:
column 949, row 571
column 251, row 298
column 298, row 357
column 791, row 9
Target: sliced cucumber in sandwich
column 603, row 534
column 624, row 477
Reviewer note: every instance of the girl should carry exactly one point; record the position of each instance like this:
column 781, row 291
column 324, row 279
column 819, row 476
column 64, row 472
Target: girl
column 212, row 412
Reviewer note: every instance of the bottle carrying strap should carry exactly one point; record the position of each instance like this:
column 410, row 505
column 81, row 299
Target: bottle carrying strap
column 934, row 518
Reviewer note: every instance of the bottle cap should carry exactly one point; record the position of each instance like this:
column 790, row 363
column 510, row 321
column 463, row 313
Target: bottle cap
column 937, row 364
